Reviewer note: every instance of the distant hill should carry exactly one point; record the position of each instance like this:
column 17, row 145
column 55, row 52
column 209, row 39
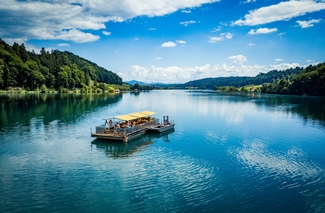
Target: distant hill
column 28, row 70
column 211, row 83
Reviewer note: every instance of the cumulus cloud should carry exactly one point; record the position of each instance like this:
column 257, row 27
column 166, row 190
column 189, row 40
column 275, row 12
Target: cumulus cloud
column 221, row 37
column 70, row 21
column 186, row 23
column 306, row 24
column 186, row 11
column 175, row 74
column 279, row 12
column 262, row 31
column 107, row 33
column 216, row 29
column 249, row 1
column 284, row 66
column 181, row 42
column 168, row 44
column 63, row 45
column 74, row 35
column 278, row 59
column 238, row 58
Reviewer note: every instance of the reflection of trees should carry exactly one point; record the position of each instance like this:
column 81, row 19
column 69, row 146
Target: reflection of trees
column 68, row 107
column 308, row 107
column 120, row 150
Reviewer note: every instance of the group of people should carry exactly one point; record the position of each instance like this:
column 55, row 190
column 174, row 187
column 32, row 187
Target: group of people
column 117, row 128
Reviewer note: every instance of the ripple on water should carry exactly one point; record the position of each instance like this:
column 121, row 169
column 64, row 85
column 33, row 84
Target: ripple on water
column 168, row 175
column 292, row 171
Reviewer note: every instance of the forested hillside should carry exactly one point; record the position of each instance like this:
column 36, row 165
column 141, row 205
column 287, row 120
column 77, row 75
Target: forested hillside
column 311, row 81
column 212, row 83
column 55, row 69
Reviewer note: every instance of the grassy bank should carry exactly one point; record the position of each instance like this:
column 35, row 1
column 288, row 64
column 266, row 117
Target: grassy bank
column 107, row 88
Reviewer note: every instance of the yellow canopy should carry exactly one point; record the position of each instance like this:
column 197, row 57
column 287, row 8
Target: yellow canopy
column 125, row 117
column 148, row 113
column 138, row 115
column 135, row 115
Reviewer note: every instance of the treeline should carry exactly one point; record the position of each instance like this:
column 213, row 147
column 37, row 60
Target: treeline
column 311, row 81
column 54, row 70
column 137, row 86
column 214, row 83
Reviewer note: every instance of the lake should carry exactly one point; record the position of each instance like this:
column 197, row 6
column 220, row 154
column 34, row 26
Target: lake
column 228, row 153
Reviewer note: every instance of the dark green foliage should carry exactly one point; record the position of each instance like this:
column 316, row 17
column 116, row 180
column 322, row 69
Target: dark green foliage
column 28, row 70
column 214, row 83
column 137, row 86
column 311, row 81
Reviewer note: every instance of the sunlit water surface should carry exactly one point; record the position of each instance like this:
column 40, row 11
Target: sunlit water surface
column 228, row 153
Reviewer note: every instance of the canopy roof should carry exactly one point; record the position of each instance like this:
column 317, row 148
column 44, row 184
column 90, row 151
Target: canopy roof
column 125, row 117
column 135, row 115
column 148, row 113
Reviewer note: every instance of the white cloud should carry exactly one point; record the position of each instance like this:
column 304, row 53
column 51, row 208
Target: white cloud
column 63, row 45
column 284, row 66
column 228, row 35
column 278, row 59
column 216, row 29
column 175, row 74
column 306, row 24
column 75, row 35
column 251, row 44
column 262, row 31
column 238, row 58
column 152, row 29
column 107, row 33
column 158, row 58
column 181, row 42
column 279, row 12
column 168, row 44
column 66, row 20
column 249, row 1
column 186, row 11
column 215, row 39
column 223, row 36
column 186, row 23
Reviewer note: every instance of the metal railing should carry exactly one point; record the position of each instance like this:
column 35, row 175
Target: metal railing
column 127, row 130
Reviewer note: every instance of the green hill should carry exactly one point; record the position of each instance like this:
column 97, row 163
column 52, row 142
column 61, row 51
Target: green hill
column 311, row 81
column 212, row 83
column 28, row 70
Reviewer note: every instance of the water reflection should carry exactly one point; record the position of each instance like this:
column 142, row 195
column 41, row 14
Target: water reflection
column 20, row 109
column 309, row 108
column 291, row 169
column 117, row 149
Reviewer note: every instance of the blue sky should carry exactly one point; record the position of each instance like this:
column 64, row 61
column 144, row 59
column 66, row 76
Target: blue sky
column 173, row 41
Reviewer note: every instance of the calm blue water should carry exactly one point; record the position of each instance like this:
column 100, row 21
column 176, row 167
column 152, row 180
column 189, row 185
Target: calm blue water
column 228, row 153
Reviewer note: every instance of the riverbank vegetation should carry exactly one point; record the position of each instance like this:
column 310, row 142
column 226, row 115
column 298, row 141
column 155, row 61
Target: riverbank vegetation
column 24, row 71
column 238, row 82
column 296, row 81
column 311, row 81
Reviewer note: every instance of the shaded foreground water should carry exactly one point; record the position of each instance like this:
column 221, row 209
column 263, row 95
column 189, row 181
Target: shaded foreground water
column 228, row 153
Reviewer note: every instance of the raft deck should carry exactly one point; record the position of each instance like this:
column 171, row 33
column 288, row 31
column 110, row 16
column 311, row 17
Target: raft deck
column 141, row 122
